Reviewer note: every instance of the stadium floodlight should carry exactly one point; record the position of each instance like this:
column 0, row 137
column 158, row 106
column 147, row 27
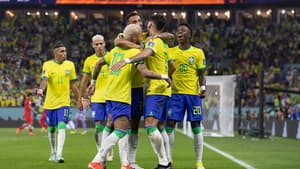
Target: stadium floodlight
column 165, row 14
column 173, row 14
column 293, row 11
column 122, row 12
column 208, row 14
column 216, row 13
column 46, row 13
column 28, row 13
column 199, row 14
column 283, row 11
column 258, row 12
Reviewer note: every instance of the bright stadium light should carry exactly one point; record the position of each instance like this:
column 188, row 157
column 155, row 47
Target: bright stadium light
column 55, row 13
column 208, row 14
column 173, row 14
column 155, row 13
column 165, row 14
column 122, row 12
column 46, row 13
column 28, row 13
column 183, row 14
column 38, row 13
column 216, row 13
column 9, row 13
column 258, row 12
column 199, row 13
column 227, row 14
column 293, row 11
column 283, row 11
column 269, row 12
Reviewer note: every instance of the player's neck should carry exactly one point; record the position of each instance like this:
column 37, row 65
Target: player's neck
column 184, row 45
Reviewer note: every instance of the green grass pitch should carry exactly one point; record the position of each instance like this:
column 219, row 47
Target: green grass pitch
column 32, row 152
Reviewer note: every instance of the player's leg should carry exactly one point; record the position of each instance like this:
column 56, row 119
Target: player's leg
column 62, row 117
column 152, row 115
column 133, row 137
column 120, row 116
column 99, row 116
column 74, row 130
column 51, row 120
column 82, row 118
column 107, row 131
column 194, row 110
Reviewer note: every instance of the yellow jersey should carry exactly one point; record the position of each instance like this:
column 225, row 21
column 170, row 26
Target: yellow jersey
column 119, row 82
column 158, row 62
column 100, row 87
column 58, row 84
column 187, row 62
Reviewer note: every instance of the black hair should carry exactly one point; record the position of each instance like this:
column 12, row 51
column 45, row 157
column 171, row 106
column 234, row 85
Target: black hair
column 188, row 26
column 130, row 14
column 58, row 44
column 159, row 21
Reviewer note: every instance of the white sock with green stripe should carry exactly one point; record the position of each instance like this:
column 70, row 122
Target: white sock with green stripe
column 123, row 150
column 157, row 144
column 61, row 137
column 108, row 143
column 198, row 143
column 133, row 138
column 52, row 138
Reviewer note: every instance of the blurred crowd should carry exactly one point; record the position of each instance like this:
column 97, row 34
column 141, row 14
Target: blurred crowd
column 231, row 48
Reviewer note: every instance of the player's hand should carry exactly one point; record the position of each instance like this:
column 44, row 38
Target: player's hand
column 117, row 66
column 39, row 92
column 202, row 94
column 79, row 104
column 91, row 89
column 169, row 81
column 85, row 103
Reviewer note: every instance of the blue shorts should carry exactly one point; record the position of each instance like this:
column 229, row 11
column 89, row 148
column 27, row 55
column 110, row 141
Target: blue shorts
column 137, row 102
column 98, row 111
column 54, row 116
column 117, row 109
column 156, row 106
column 179, row 103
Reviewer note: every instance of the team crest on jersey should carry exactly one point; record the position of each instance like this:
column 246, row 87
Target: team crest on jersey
column 67, row 72
column 191, row 60
column 150, row 44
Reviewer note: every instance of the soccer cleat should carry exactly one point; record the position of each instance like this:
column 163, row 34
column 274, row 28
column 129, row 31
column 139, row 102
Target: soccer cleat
column 135, row 166
column 162, row 167
column 60, row 159
column 52, row 157
column 199, row 165
column 126, row 167
column 73, row 132
column 17, row 131
column 95, row 165
column 110, row 155
column 84, row 132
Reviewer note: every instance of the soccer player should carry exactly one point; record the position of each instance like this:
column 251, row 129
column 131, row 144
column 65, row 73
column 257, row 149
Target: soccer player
column 58, row 75
column 156, row 53
column 188, row 89
column 27, row 115
column 137, row 87
column 42, row 121
column 97, row 100
column 118, row 94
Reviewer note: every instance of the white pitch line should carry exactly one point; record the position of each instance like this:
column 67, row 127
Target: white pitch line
column 230, row 157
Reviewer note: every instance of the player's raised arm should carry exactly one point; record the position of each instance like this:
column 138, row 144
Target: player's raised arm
column 147, row 73
column 139, row 57
column 97, row 69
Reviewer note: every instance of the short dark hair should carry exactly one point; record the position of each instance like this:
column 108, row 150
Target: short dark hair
column 58, row 44
column 130, row 14
column 159, row 21
column 188, row 26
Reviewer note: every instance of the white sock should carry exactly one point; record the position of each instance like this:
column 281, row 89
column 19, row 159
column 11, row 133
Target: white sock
column 61, row 137
column 123, row 150
column 105, row 134
column 198, row 146
column 132, row 147
column 166, row 144
column 171, row 141
column 98, row 137
column 106, row 145
column 158, row 147
column 52, row 141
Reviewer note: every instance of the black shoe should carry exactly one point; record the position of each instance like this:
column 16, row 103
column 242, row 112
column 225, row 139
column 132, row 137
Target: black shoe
column 170, row 165
column 162, row 167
